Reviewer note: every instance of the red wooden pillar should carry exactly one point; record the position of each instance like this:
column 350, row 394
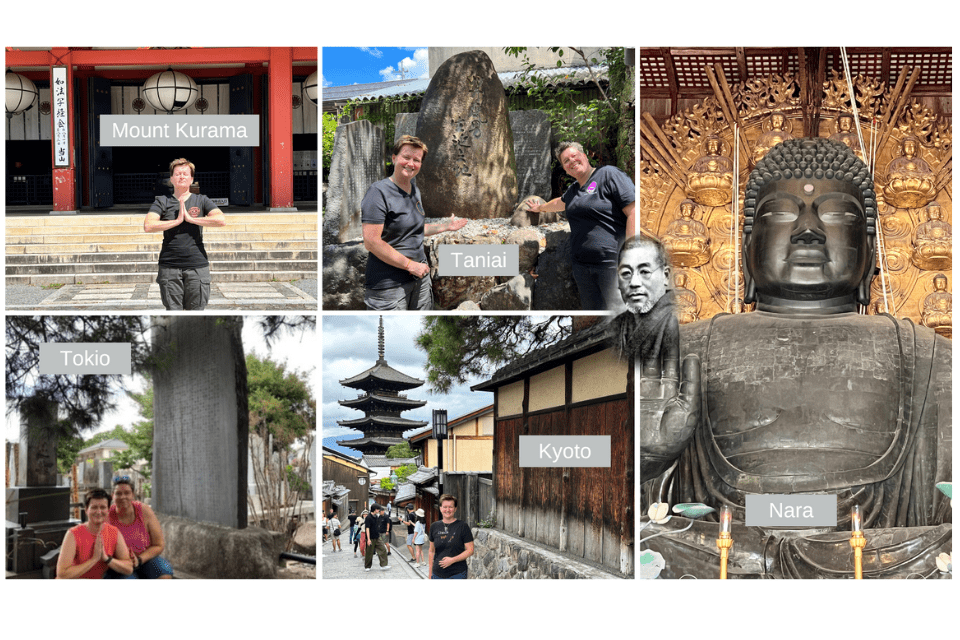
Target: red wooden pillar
column 65, row 177
column 280, row 99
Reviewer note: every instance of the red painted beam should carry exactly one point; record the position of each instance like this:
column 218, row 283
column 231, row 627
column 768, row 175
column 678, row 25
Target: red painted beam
column 64, row 178
column 123, row 57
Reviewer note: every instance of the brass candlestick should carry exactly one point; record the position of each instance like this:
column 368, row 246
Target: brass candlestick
column 725, row 541
column 857, row 541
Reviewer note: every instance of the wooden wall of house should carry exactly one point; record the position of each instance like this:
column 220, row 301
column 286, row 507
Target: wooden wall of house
column 582, row 511
column 343, row 475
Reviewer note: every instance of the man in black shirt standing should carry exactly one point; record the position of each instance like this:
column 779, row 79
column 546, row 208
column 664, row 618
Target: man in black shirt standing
column 451, row 543
column 385, row 525
column 374, row 540
column 184, row 274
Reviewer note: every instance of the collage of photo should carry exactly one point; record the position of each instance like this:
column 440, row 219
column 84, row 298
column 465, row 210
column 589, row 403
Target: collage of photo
column 550, row 313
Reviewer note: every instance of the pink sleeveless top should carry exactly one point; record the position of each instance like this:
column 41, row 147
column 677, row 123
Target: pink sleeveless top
column 85, row 541
column 135, row 534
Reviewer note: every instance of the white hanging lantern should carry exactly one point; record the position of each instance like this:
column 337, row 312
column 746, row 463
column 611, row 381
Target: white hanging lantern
column 170, row 91
column 21, row 93
column 310, row 87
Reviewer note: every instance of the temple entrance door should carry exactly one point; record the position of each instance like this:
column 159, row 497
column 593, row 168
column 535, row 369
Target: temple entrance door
column 100, row 159
column 241, row 158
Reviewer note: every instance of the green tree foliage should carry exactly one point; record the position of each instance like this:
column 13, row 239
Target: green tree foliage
column 402, row 473
column 459, row 348
column 281, row 403
column 329, row 133
column 401, row 450
column 82, row 399
column 140, row 436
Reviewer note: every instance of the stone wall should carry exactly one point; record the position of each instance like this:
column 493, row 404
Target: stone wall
column 500, row 556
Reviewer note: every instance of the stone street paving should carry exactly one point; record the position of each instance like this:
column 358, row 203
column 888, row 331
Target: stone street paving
column 239, row 296
column 342, row 564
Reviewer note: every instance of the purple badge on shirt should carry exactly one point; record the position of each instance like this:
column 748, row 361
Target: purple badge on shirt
column 592, row 187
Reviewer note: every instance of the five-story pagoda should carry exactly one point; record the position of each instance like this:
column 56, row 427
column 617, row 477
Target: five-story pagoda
column 381, row 403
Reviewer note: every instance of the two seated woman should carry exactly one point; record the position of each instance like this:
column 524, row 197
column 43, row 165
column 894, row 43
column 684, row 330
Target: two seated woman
column 119, row 541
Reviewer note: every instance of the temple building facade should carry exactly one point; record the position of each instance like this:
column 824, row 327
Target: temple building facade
column 56, row 156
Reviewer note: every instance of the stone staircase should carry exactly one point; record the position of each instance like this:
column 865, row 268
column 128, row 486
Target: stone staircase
column 113, row 248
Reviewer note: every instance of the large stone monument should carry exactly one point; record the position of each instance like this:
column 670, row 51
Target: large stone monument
column 804, row 395
column 200, row 420
column 470, row 169
column 531, row 144
column 357, row 162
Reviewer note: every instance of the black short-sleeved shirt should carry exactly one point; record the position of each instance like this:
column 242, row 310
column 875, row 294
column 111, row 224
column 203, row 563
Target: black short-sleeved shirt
column 352, row 518
column 401, row 215
column 384, row 523
column 412, row 519
column 371, row 524
column 595, row 211
column 449, row 540
column 183, row 245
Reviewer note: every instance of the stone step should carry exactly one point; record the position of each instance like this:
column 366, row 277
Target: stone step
column 153, row 257
column 135, row 247
column 137, row 219
column 210, row 235
column 151, row 267
column 107, row 229
column 124, row 278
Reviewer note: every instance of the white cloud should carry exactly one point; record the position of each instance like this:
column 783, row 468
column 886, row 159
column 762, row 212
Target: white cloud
column 376, row 53
column 417, row 66
column 324, row 81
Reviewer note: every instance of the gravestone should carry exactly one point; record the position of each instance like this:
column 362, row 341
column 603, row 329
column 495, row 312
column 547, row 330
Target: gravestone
column 356, row 163
column 404, row 124
column 200, row 419
column 531, row 144
column 469, row 169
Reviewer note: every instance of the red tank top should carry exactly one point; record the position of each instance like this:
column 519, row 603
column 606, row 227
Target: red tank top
column 85, row 541
column 134, row 534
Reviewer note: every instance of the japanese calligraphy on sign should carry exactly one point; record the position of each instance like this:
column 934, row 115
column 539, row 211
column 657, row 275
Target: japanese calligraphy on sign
column 60, row 96
column 468, row 126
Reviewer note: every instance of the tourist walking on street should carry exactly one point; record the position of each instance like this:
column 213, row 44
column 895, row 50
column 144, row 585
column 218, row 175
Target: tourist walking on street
column 374, row 539
column 358, row 535
column 451, row 543
column 410, row 520
column 335, row 533
column 419, row 536
column 385, row 526
column 353, row 524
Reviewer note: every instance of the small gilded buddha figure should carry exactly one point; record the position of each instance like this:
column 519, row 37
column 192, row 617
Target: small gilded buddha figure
column 710, row 179
column 846, row 134
column 686, row 238
column 778, row 132
column 910, row 180
column 932, row 243
column 881, row 296
column 938, row 308
column 686, row 301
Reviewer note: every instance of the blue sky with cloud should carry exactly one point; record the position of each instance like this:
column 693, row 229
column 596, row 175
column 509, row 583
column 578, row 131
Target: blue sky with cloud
column 350, row 348
column 360, row 65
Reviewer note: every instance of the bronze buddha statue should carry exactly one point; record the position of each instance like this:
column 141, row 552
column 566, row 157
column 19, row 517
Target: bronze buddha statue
column 803, row 396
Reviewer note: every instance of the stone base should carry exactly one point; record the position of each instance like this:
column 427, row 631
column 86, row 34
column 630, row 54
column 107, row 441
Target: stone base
column 213, row 551
column 500, row 556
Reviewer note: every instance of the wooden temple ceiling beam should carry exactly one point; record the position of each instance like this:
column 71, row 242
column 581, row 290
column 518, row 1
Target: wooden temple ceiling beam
column 674, row 85
column 812, row 73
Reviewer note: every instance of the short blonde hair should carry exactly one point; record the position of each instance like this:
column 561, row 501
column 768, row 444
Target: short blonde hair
column 183, row 161
column 409, row 140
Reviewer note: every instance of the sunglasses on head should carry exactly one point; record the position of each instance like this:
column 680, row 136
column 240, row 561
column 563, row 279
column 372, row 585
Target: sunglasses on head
column 117, row 479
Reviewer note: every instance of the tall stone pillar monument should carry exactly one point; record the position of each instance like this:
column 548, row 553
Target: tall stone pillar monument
column 201, row 419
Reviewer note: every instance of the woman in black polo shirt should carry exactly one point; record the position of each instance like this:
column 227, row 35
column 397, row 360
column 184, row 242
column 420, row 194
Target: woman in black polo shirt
column 393, row 230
